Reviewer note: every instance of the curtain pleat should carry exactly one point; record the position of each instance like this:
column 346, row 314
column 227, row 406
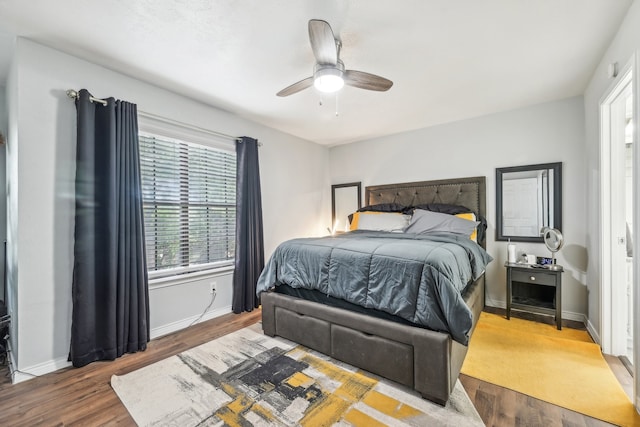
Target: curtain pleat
column 249, row 255
column 109, row 293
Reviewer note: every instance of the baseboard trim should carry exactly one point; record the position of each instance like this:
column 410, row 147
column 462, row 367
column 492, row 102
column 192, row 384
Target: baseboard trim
column 594, row 333
column 184, row 323
column 567, row 315
column 20, row 375
column 578, row 317
column 40, row 369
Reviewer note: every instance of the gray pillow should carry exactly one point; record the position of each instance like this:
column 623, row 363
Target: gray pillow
column 426, row 221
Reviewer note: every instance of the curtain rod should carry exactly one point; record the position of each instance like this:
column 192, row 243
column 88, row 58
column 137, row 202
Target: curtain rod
column 71, row 93
column 187, row 125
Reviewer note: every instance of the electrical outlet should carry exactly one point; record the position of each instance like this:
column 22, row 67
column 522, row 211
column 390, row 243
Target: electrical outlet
column 212, row 287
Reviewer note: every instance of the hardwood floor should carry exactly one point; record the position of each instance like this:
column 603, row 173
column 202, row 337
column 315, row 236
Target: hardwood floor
column 84, row 397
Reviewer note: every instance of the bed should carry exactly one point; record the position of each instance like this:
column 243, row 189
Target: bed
column 423, row 358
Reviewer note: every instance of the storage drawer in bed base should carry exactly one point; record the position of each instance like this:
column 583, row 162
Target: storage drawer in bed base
column 306, row 330
column 390, row 359
column 425, row 360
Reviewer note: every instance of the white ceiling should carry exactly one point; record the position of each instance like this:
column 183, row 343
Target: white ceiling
column 449, row 59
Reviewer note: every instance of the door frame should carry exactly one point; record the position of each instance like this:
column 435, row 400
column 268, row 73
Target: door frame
column 636, row 230
column 629, row 74
column 612, row 305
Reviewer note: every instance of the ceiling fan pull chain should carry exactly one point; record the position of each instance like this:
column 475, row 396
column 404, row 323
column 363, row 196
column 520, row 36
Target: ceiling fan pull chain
column 337, row 105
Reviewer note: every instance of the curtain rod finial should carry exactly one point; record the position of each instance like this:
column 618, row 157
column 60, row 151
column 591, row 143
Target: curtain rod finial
column 72, row 93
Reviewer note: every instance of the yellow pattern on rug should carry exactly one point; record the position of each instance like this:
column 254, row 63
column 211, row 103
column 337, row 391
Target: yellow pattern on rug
column 564, row 367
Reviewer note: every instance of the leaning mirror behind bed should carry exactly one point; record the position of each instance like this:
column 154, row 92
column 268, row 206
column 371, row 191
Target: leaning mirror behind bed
column 413, row 287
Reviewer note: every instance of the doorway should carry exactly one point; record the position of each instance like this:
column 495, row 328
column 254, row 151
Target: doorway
column 617, row 200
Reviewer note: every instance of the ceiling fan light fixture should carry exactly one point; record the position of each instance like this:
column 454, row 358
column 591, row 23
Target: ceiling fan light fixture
column 328, row 80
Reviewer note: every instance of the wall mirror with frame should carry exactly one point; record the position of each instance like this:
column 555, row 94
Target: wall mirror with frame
column 528, row 199
column 345, row 200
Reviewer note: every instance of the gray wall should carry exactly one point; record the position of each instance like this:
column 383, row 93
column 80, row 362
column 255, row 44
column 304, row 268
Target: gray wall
column 551, row 132
column 623, row 46
column 41, row 172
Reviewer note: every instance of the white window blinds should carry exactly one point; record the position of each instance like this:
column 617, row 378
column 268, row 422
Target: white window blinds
column 189, row 199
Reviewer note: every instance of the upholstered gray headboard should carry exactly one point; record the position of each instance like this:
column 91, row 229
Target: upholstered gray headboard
column 468, row 192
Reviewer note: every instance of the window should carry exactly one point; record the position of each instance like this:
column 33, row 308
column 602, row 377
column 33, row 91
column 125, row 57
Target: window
column 189, row 200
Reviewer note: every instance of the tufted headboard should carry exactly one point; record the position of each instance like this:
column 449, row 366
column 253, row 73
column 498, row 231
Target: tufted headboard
column 467, row 192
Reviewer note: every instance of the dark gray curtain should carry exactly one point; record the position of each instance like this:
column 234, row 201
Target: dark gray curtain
column 110, row 294
column 249, row 241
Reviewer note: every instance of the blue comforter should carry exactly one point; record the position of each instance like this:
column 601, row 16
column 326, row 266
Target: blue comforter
column 418, row 277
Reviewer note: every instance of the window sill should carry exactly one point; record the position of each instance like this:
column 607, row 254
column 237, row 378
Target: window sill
column 163, row 282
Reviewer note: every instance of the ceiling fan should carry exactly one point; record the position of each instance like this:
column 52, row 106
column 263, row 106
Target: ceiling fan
column 329, row 74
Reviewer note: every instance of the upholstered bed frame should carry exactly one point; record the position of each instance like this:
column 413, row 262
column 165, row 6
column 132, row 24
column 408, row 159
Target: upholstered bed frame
column 424, row 360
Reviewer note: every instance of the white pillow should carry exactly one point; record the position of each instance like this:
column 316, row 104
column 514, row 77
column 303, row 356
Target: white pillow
column 426, row 221
column 380, row 221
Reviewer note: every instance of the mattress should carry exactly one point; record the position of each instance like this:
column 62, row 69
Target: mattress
column 418, row 278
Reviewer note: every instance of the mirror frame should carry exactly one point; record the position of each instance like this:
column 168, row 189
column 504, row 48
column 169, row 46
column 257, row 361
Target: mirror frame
column 334, row 187
column 554, row 233
column 557, row 199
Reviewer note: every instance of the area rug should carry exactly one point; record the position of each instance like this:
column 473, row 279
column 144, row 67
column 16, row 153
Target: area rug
column 247, row 378
column 564, row 367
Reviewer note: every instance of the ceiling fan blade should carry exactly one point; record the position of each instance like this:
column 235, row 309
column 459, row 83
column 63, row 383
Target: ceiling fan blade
column 296, row 87
column 363, row 80
column 323, row 43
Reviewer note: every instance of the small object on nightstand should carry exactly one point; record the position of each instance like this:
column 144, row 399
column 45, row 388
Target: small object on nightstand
column 535, row 289
column 511, row 252
column 554, row 241
column 543, row 260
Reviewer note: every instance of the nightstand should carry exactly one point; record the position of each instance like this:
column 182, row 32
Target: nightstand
column 537, row 290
